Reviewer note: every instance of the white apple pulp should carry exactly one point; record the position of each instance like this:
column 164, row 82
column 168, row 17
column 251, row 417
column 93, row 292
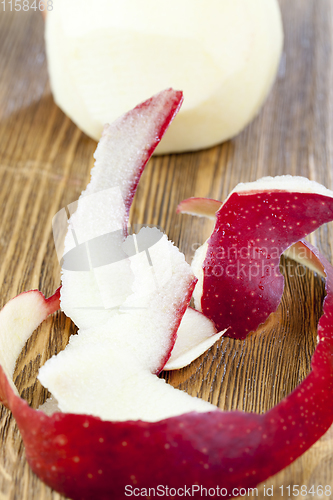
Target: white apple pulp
column 106, row 56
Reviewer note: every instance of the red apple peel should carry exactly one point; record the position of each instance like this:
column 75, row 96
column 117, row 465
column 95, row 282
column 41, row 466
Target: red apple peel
column 241, row 265
column 17, row 324
column 202, row 207
column 84, row 457
column 195, row 335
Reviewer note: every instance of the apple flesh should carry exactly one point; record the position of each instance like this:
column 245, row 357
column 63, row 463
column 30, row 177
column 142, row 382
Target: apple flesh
column 239, row 263
column 105, row 57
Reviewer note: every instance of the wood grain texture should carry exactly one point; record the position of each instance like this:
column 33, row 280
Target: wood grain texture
column 45, row 162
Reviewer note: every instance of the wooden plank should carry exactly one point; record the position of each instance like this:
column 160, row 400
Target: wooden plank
column 45, row 162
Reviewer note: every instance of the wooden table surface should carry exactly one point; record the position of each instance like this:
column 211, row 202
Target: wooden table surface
column 45, row 162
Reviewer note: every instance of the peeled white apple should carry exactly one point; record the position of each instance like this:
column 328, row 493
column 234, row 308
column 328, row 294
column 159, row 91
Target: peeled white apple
column 106, row 56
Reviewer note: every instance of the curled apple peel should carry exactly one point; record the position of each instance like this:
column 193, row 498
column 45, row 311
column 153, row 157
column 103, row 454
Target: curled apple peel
column 86, row 456
column 224, row 55
column 240, row 261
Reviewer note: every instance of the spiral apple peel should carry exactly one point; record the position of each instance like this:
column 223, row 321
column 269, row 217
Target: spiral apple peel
column 150, row 433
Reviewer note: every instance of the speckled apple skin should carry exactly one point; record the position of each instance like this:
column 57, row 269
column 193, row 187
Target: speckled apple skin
column 242, row 283
column 83, row 457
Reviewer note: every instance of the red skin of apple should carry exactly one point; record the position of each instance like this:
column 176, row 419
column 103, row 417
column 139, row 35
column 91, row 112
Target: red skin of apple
column 241, row 266
column 83, row 457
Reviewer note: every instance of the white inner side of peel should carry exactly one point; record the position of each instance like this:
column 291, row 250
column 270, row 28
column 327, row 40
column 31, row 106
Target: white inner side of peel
column 93, row 297
column 107, row 370
column 288, row 183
